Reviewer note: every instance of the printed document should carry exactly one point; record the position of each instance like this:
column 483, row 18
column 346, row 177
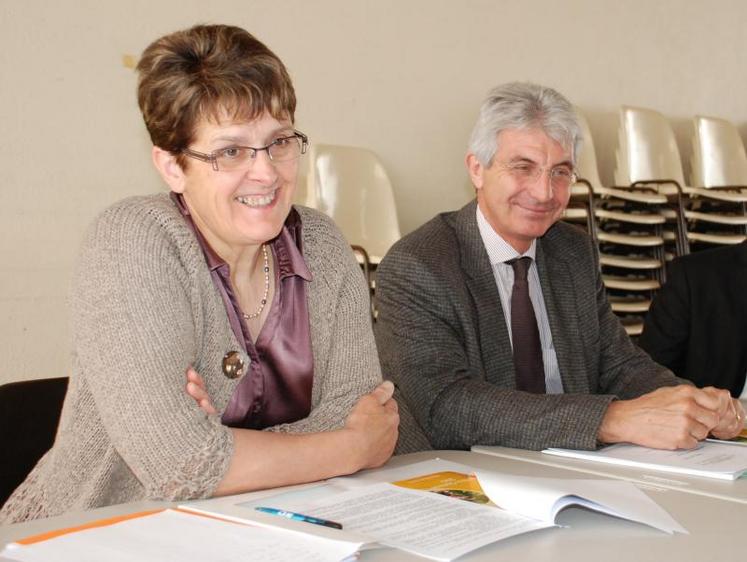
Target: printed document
column 175, row 536
column 430, row 525
column 712, row 460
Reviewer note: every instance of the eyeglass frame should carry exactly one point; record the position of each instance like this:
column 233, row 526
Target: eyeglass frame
column 513, row 166
column 213, row 159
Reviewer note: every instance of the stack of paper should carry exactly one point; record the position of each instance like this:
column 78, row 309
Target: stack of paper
column 740, row 439
column 176, row 536
column 709, row 459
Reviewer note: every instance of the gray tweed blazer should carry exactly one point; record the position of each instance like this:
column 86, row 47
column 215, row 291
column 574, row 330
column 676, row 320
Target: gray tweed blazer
column 443, row 340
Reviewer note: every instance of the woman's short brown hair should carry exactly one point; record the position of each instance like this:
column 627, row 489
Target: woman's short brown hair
column 208, row 72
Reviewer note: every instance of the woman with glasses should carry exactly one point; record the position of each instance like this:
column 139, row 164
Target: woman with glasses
column 258, row 307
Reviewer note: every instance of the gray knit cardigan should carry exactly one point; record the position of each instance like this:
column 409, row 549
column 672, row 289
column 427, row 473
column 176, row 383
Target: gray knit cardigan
column 144, row 308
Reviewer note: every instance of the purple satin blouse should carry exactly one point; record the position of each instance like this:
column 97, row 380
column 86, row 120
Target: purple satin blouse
column 276, row 387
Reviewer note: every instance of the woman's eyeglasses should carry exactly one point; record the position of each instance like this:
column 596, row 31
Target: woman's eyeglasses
column 237, row 157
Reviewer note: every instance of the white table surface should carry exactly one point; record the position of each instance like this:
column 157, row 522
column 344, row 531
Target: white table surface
column 716, row 526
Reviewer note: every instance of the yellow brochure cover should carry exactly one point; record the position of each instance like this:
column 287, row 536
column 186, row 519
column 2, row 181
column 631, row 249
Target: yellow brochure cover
column 741, row 438
column 452, row 484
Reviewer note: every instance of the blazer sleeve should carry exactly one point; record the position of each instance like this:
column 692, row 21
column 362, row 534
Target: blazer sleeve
column 135, row 333
column 427, row 346
column 623, row 368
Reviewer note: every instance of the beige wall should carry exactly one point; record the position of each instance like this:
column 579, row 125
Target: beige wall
column 402, row 77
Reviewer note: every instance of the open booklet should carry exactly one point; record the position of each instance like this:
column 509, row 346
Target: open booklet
column 443, row 510
column 708, row 459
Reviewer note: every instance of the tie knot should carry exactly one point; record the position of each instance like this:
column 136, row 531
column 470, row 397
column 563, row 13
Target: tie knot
column 521, row 267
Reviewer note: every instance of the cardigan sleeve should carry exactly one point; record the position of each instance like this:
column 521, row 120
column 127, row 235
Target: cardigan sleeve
column 135, row 316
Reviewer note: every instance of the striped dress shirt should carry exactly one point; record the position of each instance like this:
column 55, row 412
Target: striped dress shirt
column 499, row 252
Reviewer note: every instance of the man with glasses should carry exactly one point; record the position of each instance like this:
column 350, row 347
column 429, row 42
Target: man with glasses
column 493, row 321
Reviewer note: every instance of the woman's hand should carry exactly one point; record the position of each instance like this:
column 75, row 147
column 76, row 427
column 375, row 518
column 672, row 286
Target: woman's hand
column 373, row 425
column 196, row 389
column 366, row 441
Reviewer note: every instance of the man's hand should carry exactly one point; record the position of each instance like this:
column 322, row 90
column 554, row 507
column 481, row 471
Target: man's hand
column 196, row 389
column 373, row 425
column 730, row 412
column 674, row 417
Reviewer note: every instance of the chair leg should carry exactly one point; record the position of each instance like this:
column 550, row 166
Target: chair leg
column 683, row 244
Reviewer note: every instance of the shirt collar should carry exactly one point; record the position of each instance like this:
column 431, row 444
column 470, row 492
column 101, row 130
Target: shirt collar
column 499, row 251
column 214, row 261
column 288, row 245
column 288, row 248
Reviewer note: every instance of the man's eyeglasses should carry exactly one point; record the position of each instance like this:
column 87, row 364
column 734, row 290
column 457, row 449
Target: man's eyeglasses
column 242, row 157
column 561, row 176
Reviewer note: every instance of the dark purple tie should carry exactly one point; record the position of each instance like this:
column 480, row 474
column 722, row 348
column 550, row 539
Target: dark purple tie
column 530, row 372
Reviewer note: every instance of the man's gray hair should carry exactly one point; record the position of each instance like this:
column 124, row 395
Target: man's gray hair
column 523, row 105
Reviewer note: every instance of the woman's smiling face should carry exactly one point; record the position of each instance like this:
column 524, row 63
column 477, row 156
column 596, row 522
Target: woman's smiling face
column 239, row 208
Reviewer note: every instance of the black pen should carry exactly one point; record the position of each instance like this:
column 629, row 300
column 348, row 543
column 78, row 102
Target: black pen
column 299, row 517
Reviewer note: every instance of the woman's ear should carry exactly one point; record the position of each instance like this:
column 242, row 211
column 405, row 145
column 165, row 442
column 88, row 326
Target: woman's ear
column 169, row 168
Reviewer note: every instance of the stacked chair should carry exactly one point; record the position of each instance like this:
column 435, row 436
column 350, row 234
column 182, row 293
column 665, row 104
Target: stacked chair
column 629, row 228
column 580, row 209
column 717, row 213
column 648, row 156
column 350, row 185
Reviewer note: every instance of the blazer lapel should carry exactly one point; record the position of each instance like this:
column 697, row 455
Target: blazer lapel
column 559, row 293
column 495, row 345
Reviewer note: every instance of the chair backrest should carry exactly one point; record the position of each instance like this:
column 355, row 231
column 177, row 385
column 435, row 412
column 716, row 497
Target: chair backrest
column 351, row 186
column 718, row 154
column 586, row 162
column 29, row 414
column 648, row 149
column 621, row 171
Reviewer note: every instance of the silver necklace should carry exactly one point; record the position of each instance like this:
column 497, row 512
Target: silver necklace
column 263, row 302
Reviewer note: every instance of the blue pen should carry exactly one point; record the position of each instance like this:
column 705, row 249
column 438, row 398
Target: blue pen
column 299, row 517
